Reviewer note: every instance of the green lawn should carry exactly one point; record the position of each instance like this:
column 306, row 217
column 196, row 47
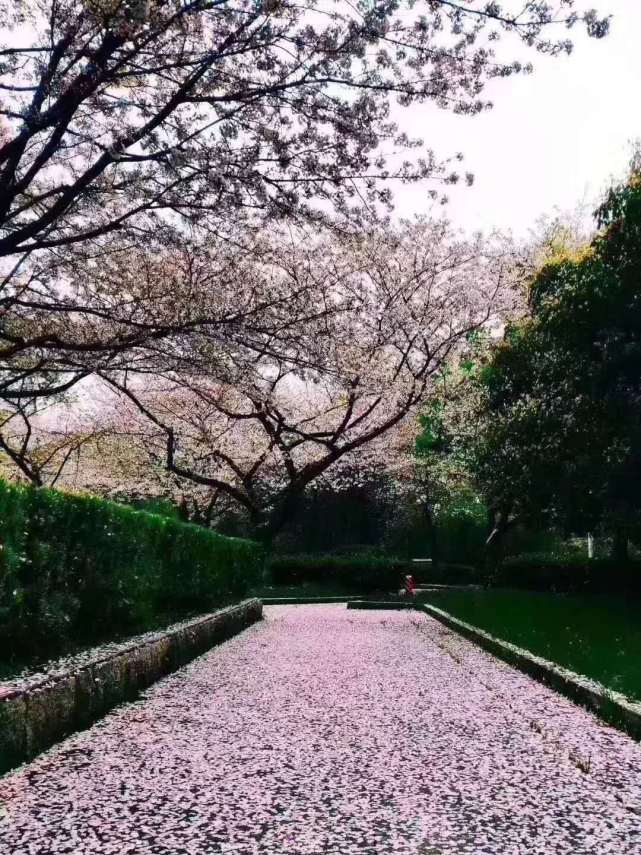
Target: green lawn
column 593, row 635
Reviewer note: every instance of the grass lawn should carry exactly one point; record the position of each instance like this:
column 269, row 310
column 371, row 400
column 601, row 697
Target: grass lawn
column 597, row 636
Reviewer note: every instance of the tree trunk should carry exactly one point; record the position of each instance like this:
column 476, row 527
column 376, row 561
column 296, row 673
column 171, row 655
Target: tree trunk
column 620, row 545
column 265, row 529
column 433, row 536
column 499, row 524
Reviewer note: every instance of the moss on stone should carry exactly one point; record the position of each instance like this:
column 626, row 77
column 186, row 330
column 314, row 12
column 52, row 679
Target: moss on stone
column 13, row 736
column 50, row 714
column 110, row 680
column 143, row 669
column 161, row 654
column 86, row 706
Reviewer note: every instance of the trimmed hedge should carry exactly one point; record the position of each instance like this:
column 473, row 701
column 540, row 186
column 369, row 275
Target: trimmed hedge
column 564, row 574
column 78, row 569
column 451, row 574
column 544, row 572
column 368, row 573
column 358, row 573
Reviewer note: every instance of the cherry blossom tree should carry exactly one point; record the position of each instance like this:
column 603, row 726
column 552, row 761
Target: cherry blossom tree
column 135, row 308
column 128, row 127
column 122, row 121
column 118, row 111
column 40, row 451
column 260, row 427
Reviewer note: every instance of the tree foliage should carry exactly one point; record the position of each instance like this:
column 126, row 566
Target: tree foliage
column 561, row 393
column 116, row 112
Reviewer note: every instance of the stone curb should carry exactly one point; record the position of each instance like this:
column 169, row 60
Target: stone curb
column 296, row 601
column 34, row 718
column 613, row 707
column 301, row 601
column 384, row 605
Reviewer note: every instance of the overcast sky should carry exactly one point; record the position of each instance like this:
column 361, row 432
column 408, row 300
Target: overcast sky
column 554, row 138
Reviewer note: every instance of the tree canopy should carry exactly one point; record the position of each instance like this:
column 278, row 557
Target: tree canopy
column 170, row 174
column 116, row 113
column 560, row 394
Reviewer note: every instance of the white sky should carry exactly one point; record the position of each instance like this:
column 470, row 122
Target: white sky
column 553, row 139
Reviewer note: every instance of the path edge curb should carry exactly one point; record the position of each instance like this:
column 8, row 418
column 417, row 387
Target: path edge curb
column 612, row 707
column 35, row 718
column 303, row 601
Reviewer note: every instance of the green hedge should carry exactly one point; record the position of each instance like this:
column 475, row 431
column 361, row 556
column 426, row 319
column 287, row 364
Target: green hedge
column 359, row 573
column 76, row 569
column 366, row 573
column 452, row 574
column 566, row 574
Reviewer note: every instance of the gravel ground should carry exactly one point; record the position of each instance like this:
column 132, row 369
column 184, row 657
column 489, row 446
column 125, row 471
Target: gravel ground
column 322, row 730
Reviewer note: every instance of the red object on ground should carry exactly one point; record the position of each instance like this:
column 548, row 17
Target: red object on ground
column 410, row 585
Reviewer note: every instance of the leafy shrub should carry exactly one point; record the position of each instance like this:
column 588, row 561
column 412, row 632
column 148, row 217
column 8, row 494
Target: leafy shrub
column 360, row 573
column 448, row 573
column 76, row 569
column 355, row 549
column 363, row 573
column 566, row 574
column 461, row 535
column 161, row 507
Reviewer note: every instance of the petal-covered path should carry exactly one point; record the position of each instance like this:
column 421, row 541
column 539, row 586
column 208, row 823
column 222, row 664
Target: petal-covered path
column 322, row 730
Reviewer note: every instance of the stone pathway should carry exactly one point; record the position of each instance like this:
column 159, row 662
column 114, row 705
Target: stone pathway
column 322, row 730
